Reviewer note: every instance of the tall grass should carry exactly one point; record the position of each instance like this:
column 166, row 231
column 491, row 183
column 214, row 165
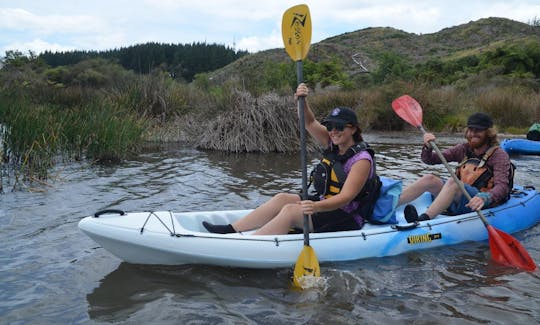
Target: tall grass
column 510, row 106
column 444, row 108
column 30, row 137
column 35, row 136
column 102, row 131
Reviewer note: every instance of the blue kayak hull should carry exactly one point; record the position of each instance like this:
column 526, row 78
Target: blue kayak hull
column 521, row 146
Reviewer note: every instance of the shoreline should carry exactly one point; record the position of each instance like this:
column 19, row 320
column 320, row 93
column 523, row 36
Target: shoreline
column 380, row 137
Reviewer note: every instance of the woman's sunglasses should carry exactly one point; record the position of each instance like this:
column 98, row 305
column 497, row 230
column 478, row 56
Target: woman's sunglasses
column 338, row 126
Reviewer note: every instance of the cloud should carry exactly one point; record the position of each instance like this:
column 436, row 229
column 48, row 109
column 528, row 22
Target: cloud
column 23, row 30
column 224, row 10
column 37, row 46
column 23, row 20
column 254, row 44
column 250, row 25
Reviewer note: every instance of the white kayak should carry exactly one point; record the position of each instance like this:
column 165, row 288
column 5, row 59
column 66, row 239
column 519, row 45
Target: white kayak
column 172, row 238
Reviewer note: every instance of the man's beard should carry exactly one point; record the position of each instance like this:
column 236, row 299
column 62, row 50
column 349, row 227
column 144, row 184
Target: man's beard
column 474, row 144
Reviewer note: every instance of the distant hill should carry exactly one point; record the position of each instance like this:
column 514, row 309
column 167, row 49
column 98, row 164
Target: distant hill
column 360, row 50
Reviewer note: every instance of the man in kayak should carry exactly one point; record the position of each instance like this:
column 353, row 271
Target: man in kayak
column 347, row 176
column 485, row 169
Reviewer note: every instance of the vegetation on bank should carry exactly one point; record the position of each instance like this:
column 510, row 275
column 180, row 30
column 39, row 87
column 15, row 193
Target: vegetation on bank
column 96, row 109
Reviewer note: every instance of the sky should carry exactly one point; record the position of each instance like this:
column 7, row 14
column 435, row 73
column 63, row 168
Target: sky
column 64, row 25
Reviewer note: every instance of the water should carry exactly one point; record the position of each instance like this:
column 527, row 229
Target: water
column 51, row 273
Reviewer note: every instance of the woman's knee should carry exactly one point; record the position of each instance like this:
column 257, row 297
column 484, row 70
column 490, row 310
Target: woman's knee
column 286, row 198
column 290, row 212
column 291, row 209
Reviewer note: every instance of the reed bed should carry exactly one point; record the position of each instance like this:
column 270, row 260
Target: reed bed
column 34, row 136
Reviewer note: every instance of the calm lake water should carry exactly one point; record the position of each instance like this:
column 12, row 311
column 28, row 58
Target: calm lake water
column 51, row 273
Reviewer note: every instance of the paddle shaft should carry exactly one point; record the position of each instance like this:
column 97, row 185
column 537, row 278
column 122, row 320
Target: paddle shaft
column 303, row 153
column 296, row 32
column 454, row 176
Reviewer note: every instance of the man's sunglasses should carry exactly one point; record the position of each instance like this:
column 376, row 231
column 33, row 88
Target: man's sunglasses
column 338, row 126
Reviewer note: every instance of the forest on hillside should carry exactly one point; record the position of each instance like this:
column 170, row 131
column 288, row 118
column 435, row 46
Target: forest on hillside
column 181, row 61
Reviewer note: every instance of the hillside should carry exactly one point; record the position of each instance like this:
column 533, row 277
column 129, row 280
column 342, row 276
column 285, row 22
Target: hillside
column 366, row 45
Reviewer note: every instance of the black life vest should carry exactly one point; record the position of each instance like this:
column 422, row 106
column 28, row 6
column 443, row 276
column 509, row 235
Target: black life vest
column 328, row 177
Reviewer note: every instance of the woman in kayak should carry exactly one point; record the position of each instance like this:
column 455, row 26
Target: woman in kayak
column 341, row 205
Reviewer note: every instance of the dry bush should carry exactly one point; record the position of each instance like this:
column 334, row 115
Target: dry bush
column 265, row 124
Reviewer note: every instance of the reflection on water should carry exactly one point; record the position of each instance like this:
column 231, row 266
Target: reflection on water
column 191, row 289
column 51, row 273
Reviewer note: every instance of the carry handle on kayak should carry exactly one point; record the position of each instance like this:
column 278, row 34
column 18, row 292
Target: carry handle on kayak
column 109, row 211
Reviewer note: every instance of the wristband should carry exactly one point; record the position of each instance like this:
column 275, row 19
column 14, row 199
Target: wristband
column 486, row 197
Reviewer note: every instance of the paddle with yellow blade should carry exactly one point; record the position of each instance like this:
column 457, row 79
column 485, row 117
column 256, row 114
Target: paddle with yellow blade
column 296, row 31
column 505, row 249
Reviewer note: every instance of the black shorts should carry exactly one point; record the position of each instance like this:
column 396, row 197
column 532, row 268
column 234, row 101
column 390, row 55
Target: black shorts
column 330, row 221
column 336, row 220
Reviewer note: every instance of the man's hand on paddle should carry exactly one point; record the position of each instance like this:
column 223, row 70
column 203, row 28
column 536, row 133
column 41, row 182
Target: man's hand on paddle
column 428, row 137
column 476, row 203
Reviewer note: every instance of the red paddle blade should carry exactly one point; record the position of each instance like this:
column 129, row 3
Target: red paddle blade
column 408, row 109
column 506, row 250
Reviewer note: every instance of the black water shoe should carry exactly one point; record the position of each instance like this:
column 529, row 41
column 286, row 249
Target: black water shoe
column 423, row 217
column 218, row 229
column 411, row 215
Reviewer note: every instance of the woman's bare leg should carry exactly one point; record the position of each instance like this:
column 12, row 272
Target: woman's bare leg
column 291, row 215
column 265, row 212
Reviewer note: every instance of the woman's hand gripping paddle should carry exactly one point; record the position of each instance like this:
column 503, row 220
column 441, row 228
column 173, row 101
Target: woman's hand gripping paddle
column 296, row 31
column 505, row 249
